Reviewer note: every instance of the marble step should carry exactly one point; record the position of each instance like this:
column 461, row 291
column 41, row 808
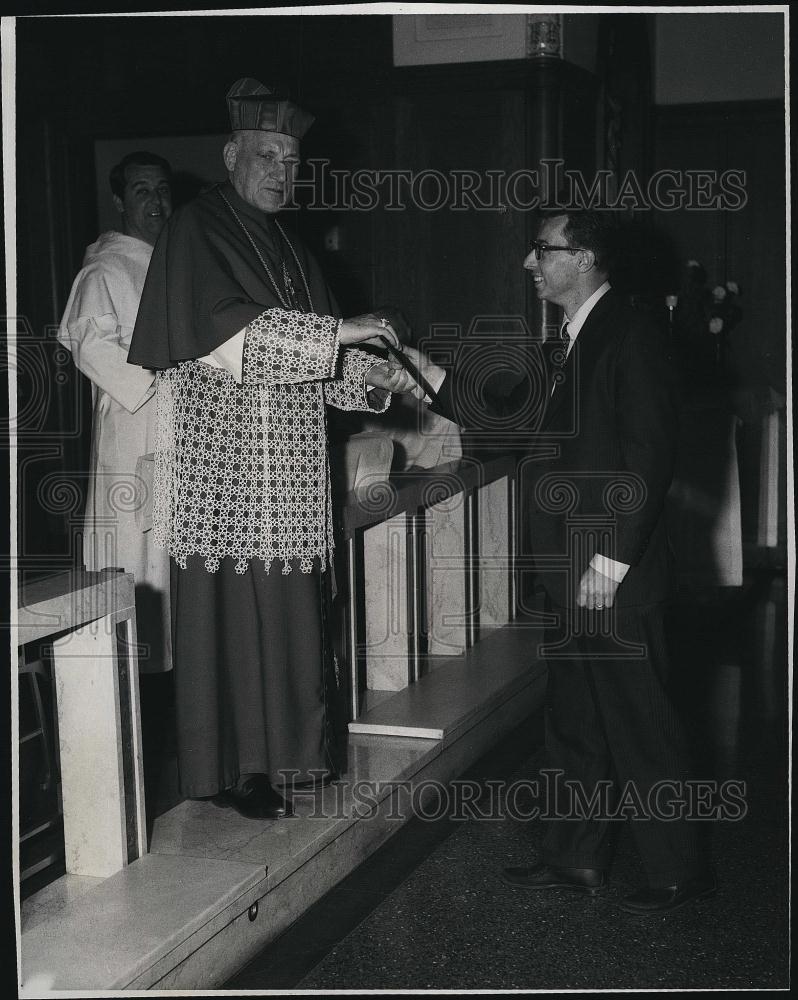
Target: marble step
column 216, row 887
column 82, row 933
column 457, row 692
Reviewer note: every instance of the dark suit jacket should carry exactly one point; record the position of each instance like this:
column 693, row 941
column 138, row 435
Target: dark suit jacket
column 613, row 423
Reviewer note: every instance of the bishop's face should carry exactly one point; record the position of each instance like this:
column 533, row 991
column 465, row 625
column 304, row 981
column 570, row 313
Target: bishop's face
column 262, row 167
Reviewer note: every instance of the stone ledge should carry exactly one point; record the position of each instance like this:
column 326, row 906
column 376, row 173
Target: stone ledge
column 99, row 934
column 178, row 917
column 457, row 692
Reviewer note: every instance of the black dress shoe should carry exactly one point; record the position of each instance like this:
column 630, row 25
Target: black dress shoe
column 313, row 784
column 255, row 798
column 587, row 880
column 670, row 897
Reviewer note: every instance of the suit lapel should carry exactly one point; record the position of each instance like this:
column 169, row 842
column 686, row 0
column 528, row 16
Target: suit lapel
column 580, row 356
column 596, row 324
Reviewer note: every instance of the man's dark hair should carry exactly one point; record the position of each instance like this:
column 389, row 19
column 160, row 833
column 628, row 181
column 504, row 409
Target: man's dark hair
column 141, row 158
column 592, row 229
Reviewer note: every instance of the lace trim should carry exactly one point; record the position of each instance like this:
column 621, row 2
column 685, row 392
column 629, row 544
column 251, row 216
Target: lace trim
column 242, row 470
column 351, row 392
column 284, row 347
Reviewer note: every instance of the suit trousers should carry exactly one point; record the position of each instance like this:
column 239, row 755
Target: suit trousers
column 614, row 745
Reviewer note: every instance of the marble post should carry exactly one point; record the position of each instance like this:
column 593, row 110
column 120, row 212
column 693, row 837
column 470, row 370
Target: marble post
column 446, row 576
column 385, row 565
column 768, row 527
column 99, row 732
column 494, row 554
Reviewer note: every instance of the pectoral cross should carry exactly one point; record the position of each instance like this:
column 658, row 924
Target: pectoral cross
column 289, row 288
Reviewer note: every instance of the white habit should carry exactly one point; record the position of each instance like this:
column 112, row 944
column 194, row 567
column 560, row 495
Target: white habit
column 96, row 327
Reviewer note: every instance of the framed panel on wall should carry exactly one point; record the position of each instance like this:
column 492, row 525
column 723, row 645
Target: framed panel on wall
column 425, row 39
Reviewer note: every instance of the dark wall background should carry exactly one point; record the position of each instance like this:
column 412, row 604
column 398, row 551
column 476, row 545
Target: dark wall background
column 79, row 80
column 746, row 245
column 744, row 367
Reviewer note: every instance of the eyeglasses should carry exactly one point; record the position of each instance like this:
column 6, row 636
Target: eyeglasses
column 538, row 248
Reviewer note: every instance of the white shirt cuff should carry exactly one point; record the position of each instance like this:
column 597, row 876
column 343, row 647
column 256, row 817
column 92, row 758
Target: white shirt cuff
column 229, row 355
column 609, row 567
column 434, row 379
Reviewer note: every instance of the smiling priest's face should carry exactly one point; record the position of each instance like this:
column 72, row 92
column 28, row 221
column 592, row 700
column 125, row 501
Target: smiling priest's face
column 146, row 203
column 262, row 166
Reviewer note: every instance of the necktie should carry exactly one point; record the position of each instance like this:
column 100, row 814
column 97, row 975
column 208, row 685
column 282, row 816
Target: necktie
column 559, row 356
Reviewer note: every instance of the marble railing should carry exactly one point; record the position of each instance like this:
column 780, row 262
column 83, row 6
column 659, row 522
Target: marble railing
column 427, row 566
column 90, row 619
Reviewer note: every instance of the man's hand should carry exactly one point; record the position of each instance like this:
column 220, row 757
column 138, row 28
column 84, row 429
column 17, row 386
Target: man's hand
column 367, row 328
column 433, row 374
column 596, row 591
column 390, row 376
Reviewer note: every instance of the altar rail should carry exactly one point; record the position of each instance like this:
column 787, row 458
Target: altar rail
column 217, row 887
column 90, row 619
column 427, row 568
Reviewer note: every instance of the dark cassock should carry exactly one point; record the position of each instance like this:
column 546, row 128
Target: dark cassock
column 239, row 324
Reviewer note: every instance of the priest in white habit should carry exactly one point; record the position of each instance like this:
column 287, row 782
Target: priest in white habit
column 249, row 347
column 97, row 327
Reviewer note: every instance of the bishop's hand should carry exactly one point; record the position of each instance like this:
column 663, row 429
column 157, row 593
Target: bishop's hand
column 367, row 328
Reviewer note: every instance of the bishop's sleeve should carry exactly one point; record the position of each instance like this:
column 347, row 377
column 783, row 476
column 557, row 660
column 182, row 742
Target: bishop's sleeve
column 350, row 392
column 284, row 347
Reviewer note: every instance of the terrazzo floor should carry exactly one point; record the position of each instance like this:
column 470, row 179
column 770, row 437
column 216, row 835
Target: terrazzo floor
column 429, row 912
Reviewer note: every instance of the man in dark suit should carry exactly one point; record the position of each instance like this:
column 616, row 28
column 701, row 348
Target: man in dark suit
column 605, row 453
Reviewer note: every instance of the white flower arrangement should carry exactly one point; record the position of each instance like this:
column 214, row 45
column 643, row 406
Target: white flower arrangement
column 705, row 314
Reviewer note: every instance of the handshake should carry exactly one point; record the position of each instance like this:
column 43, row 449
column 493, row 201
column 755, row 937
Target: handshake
column 406, row 370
